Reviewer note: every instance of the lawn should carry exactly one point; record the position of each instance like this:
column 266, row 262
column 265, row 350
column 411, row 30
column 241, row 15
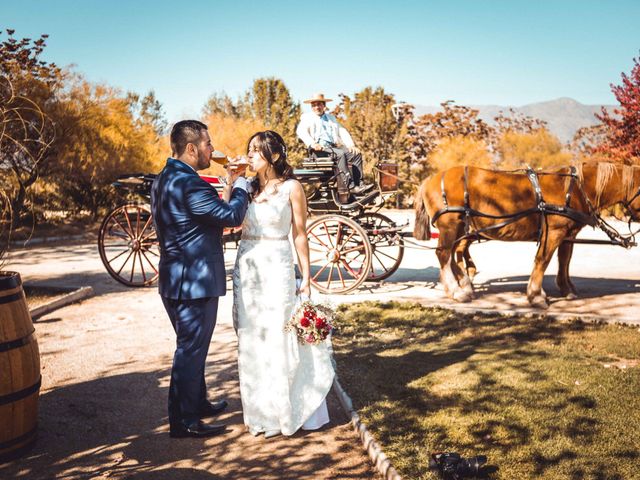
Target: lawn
column 541, row 398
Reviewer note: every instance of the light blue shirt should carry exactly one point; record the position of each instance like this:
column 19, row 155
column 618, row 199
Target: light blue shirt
column 325, row 135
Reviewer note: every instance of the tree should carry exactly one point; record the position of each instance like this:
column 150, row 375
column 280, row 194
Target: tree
column 427, row 132
column 221, row 103
column 370, row 119
column 28, row 87
column 267, row 103
column 229, row 135
column 622, row 142
column 103, row 139
column 148, row 111
column 587, row 139
column 376, row 128
column 460, row 150
column 537, row 149
column 513, row 122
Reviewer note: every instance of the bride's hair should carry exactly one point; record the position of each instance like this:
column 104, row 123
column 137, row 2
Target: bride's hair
column 270, row 144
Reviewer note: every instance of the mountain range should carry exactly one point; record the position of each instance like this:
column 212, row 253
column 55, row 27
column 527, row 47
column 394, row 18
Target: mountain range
column 564, row 116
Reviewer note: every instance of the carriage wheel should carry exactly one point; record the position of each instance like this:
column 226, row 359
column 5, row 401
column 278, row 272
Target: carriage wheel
column 128, row 245
column 340, row 254
column 387, row 248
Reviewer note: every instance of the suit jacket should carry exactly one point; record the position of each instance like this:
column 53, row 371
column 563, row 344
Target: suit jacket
column 310, row 125
column 189, row 218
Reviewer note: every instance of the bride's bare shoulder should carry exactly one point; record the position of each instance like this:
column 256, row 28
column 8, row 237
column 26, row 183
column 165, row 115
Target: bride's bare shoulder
column 294, row 186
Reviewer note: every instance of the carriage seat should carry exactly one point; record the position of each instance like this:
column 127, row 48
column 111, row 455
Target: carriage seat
column 307, row 174
column 322, row 163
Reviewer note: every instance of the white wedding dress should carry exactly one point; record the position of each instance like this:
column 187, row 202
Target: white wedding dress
column 283, row 384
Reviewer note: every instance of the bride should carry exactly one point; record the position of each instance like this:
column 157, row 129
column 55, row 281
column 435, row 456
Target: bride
column 283, row 384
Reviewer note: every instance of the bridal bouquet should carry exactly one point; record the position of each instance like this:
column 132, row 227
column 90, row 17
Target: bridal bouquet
column 311, row 322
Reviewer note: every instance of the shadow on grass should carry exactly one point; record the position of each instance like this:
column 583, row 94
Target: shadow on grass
column 436, row 380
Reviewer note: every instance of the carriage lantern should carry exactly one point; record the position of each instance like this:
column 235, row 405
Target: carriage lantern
column 388, row 176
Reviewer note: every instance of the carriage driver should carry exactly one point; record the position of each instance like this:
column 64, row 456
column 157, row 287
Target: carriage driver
column 320, row 131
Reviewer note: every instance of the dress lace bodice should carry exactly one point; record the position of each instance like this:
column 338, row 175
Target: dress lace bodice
column 270, row 215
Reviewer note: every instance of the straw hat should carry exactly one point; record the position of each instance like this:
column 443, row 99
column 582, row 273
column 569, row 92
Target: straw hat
column 318, row 97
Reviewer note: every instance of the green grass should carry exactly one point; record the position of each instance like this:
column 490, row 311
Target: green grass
column 542, row 399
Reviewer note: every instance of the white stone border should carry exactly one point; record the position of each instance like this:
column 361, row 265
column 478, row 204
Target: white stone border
column 75, row 296
column 378, row 457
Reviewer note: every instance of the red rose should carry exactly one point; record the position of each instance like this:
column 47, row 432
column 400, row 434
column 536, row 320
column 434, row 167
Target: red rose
column 304, row 321
column 320, row 322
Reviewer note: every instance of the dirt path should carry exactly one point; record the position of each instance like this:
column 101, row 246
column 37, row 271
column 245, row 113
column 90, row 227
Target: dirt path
column 105, row 367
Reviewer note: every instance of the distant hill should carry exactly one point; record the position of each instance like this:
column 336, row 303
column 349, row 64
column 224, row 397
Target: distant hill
column 564, row 116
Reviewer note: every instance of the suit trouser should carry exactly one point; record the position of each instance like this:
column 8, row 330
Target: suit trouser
column 343, row 158
column 193, row 322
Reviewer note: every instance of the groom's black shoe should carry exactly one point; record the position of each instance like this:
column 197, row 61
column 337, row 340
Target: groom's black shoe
column 211, row 409
column 197, row 430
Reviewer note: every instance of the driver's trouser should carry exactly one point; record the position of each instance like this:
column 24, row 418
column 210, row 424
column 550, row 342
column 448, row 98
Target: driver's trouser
column 343, row 158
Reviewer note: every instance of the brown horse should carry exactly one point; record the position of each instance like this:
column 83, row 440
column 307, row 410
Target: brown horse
column 548, row 207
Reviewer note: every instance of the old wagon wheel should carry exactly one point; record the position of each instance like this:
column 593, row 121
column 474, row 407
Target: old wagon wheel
column 128, row 245
column 340, row 254
column 387, row 246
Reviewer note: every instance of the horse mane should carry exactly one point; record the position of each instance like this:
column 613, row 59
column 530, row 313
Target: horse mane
column 604, row 173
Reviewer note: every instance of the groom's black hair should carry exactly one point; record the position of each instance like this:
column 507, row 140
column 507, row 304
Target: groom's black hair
column 183, row 132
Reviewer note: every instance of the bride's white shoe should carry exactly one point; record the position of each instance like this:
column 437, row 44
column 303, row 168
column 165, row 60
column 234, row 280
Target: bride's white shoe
column 272, row 433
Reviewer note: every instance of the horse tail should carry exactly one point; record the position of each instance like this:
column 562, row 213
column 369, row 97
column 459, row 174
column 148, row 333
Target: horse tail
column 421, row 229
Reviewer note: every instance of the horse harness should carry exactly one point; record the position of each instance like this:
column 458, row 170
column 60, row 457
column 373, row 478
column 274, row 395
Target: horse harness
column 542, row 208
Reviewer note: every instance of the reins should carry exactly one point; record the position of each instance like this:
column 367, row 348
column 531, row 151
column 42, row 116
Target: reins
column 592, row 218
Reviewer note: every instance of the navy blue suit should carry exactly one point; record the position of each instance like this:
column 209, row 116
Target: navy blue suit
column 189, row 218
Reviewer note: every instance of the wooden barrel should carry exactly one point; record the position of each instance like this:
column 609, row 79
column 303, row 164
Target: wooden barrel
column 19, row 370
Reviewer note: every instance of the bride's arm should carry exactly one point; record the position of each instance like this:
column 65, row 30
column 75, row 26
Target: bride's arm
column 299, row 231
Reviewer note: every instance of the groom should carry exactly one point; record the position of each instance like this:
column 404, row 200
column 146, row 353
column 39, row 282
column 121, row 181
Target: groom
column 189, row 218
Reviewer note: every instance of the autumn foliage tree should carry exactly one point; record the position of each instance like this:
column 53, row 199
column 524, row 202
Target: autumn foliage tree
column 106, row 134
column 622, row 139
column 230, row 134
column 66, row 139
column 267, row 105
column 536, row 149
column 28, row 87
column 370, row 120
column 460, row 150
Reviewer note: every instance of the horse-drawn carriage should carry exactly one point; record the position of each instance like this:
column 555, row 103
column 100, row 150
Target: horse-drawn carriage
column 349, row 241
column 127, row 239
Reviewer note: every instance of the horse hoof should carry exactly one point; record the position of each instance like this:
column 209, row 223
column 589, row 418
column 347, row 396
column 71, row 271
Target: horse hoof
column 462, row 297
column 539, row 302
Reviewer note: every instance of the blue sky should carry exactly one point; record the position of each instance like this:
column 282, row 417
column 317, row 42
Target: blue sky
column 423, row 52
